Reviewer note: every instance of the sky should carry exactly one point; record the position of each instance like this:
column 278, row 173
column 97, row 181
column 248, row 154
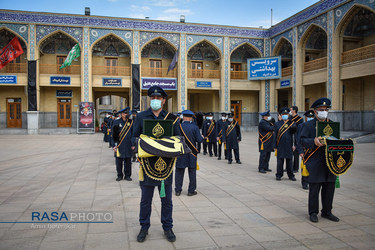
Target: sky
column 245, row 13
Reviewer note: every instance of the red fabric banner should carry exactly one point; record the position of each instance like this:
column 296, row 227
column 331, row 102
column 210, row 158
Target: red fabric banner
column 10, row 52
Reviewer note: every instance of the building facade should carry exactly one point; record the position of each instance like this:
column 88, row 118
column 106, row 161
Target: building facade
column 328, row 49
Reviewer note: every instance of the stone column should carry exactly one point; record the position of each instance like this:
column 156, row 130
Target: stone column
column 298, row 65
column 32, row 122
column 86, row 76
column 182, row 95
column 135, row 59
column 224, row 93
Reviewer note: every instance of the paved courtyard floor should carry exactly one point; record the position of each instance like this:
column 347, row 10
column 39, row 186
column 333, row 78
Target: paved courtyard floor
column 236, row 207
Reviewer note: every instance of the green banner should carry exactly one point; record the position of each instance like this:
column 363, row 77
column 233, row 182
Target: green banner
column 74, row 53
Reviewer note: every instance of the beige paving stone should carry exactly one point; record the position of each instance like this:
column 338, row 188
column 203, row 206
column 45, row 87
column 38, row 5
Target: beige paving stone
column 262, row 234
column 299, row 228
column 193, row 240
column 108, row 241
column 24, row 243
column 222, row 230
column 358, row 220
column 238, row 240
column 62, row 244
column 157, row 244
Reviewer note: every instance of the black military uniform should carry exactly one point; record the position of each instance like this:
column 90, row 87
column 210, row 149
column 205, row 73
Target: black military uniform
column 265, row 141
column 209, row 132
column 133, row 116
column 221, row 126
column 319, row 175
column 122, row 134
column 297, row 120
column 283, row 143
column 199, row 120
column 232, row 137
column 148, row 185
column 106, row 126
column 192, row 137
column 309, row 115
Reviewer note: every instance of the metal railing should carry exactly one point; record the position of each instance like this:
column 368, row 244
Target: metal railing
column 14, row 68
column 319, row 63
column 158, row 72
column 55, row 69
column 287, row 71
column 111, row 70
column 240, row 75
column 359, row 54
column 202, row 73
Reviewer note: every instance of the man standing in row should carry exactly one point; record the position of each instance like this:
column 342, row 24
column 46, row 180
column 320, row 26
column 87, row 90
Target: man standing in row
column 232, row 138
column 266, row 138
column 221, row 126
column 133, row 116
column 294, row 117
column 210, row 134
column 122, row 134
column 192, row 136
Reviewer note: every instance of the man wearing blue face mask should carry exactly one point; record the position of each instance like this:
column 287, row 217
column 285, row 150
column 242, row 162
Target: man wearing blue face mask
column 283, row 144
column 265, row 141
column 158, row 98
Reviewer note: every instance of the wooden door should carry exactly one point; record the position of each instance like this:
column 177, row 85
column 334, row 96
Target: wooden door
column 111, row 66
column 235, row 70
column 236, row 107
column 14, row 113
column 64, row 113
column 197, row 69
column 60, row 61
column 155, row 68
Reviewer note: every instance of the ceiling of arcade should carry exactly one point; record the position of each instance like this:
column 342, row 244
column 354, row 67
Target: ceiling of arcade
column 203, row 51
column 6, row 36
column 362, row 24
column 58, row 43
column 111, row 46
column 158, row 48
column 242, row 53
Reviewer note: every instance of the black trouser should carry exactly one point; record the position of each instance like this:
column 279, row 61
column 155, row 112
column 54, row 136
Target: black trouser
column 179, row 179
column 304, row 181
column 123, row 166
column 236, row 154
column 134, row 156
column 327, row 193
column 204, row 146
column 264, row 159
column 221, row 145
column 199, row 145
column 210, row 145
column 295, row 161
column 280, row 167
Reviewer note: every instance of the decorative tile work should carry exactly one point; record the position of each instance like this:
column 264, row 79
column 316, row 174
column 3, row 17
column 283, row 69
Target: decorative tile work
column 226, row 73
column 96, row 34
column 145, row 37
column 288, row 35
column 43, row 31
column 267, row 82
column 310, row 12
column 86, row 64
column 20, row 29
column 136, row 47
column 132, row 24
column 342, row 10
column 321, row 21
column 330, row 38
column 182, row 69
column 192, row 40
column 257, row 43
column 295, row 34
column 32, row 42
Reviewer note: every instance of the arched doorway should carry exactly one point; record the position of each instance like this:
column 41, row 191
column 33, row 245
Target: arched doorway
column 238, row 60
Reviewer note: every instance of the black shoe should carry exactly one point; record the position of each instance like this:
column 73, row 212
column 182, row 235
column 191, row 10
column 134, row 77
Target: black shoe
column 170, row 235
column 278, row 178
column 292, row 178
column 216, row 155
column 142, row 235
column 262, row 171
column 128, row 179
column 178, row 193
column 314, row 217
column 118, row 178
column 268, row 170
column 229, row 162
column 295, row 171
column 305, row 187
column 226, row 158
column 238, row 162
column 331, row 217
column 219, row 158
column 210, row 155
column 204, row 153
column 193, row 193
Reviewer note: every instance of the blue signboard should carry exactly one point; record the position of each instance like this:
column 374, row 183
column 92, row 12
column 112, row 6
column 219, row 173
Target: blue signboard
column 264, row 68
column 64, row 93
column 8, row 79
column 204, row 84
column 112, row 82
column 285, row 83
column 65, row 80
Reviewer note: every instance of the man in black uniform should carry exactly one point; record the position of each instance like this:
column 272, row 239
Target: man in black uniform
column 232, row 137
column 309, row 115
column 107, row 121
column 294, row 117
column 122, row 134
column 319, row 175
column 199, row 120
column 266, row 137
column 133, row 116
column 210, row 134
column 158, row 98
column 192, row 136
column 221, row 126
column 283, row 143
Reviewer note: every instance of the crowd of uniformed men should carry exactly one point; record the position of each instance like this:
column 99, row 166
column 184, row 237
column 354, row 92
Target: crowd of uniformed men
column 290, row 137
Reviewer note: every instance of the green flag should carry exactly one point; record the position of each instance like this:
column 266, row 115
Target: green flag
column 74, row 53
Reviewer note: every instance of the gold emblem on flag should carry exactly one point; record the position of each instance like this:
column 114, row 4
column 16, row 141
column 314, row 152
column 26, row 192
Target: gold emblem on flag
column 158, row 130
column 340, row 162
column 328, row 130
column 160, row 165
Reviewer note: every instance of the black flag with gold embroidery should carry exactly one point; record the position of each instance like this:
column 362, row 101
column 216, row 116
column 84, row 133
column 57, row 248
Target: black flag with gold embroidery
column 339, row 155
